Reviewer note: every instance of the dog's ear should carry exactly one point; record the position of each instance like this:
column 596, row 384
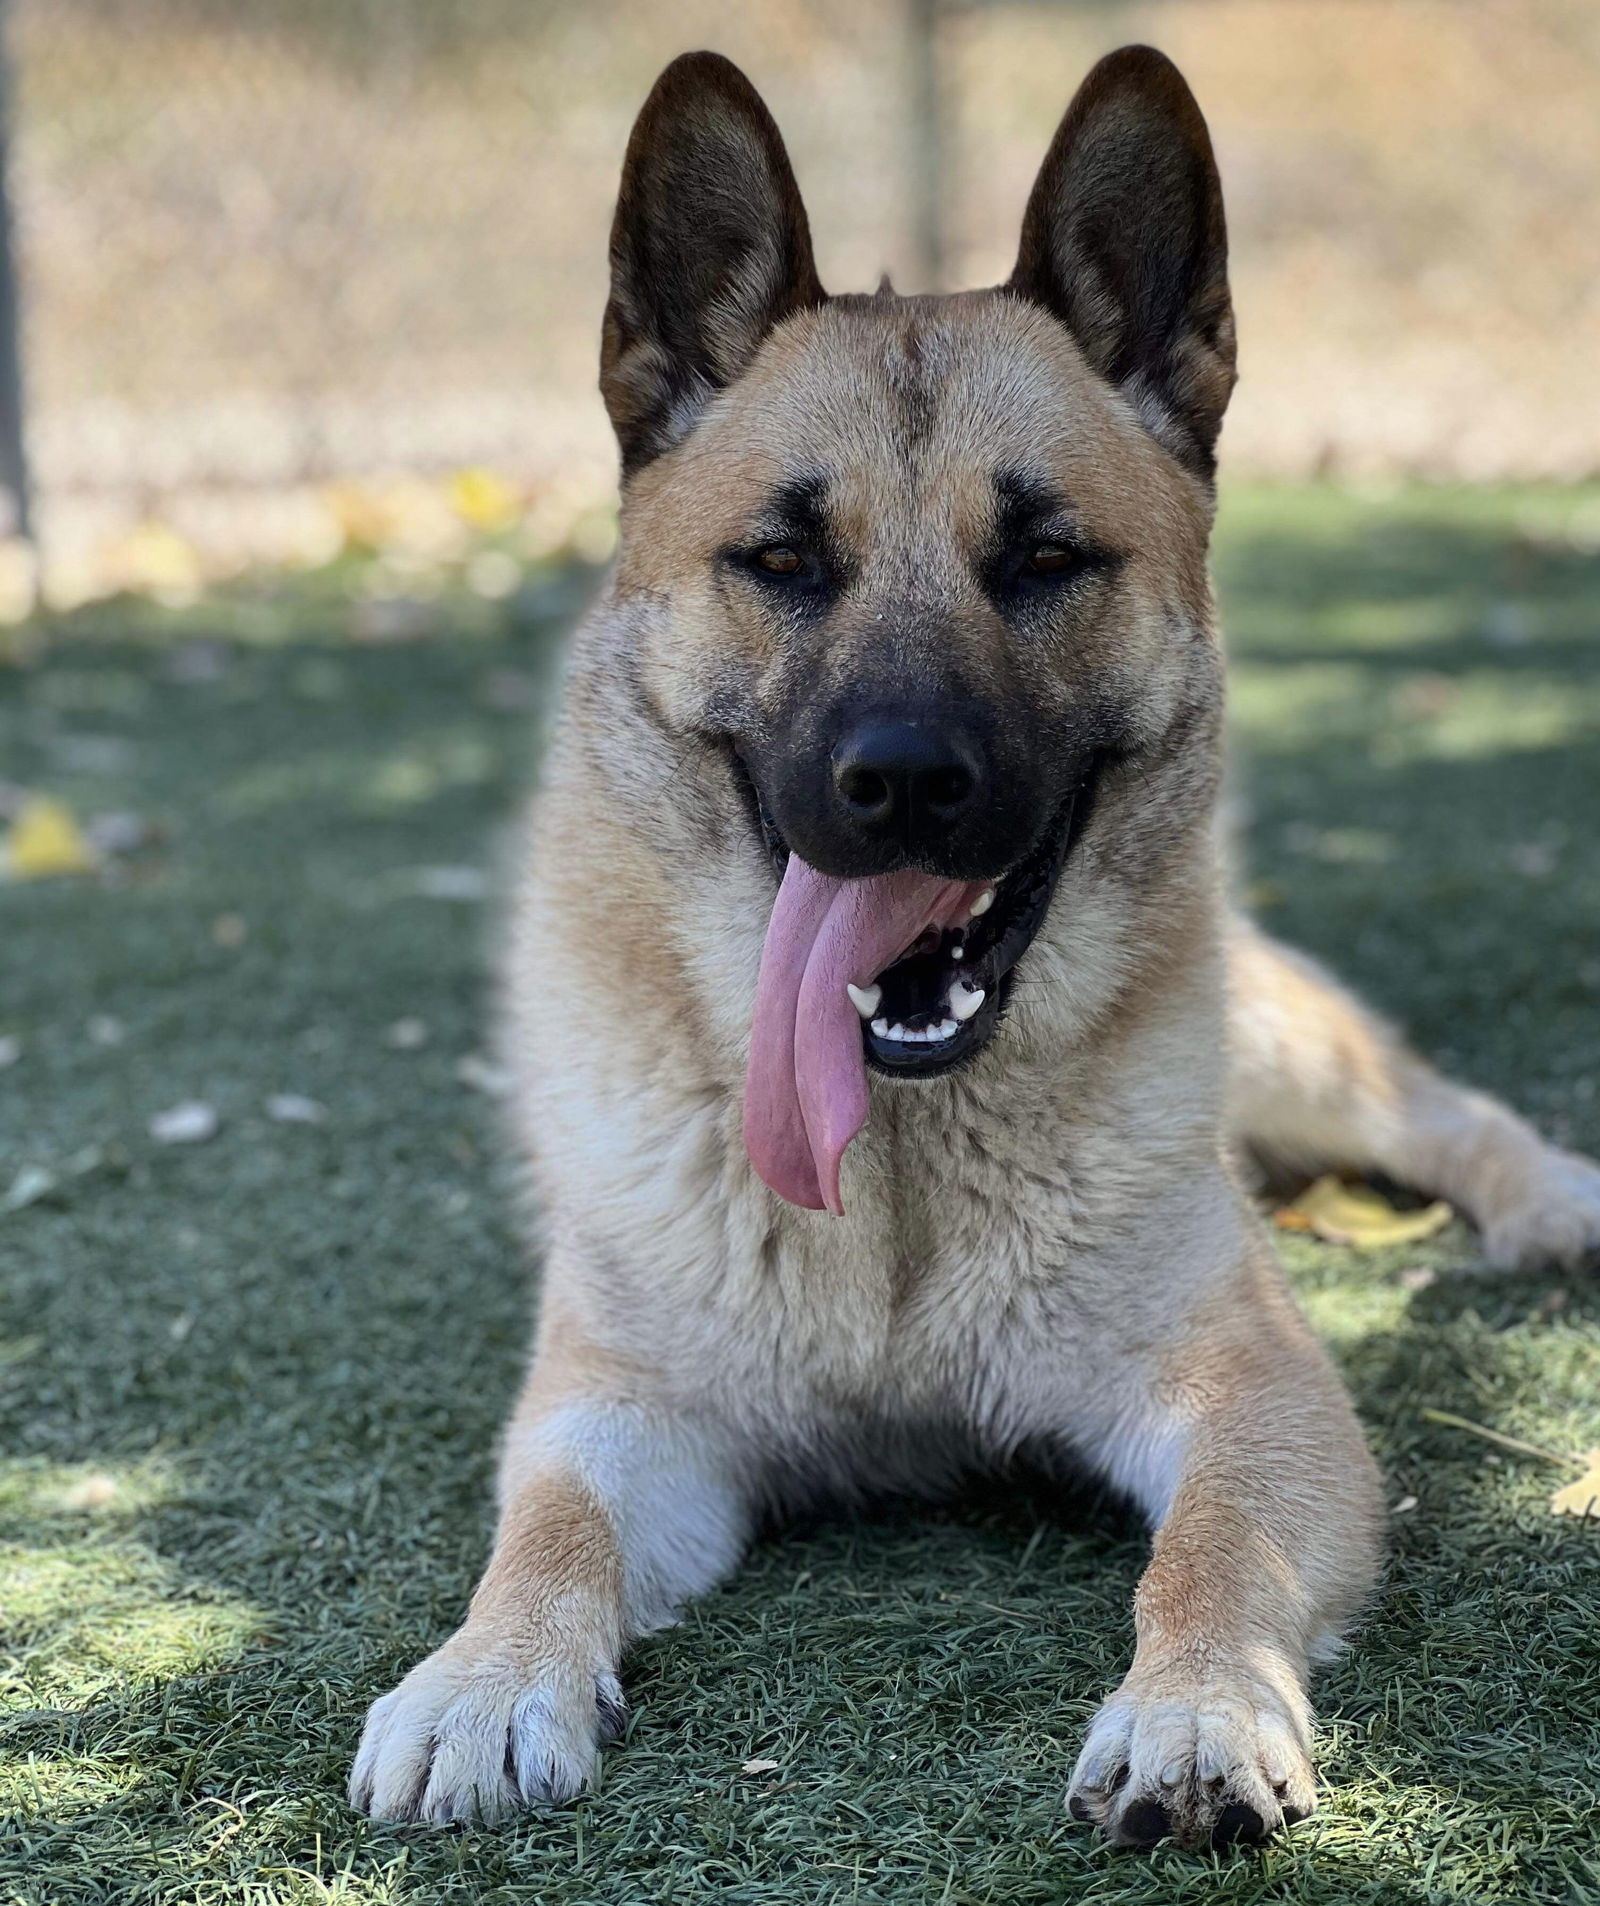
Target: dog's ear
column 709, row 250
column 1124, row 241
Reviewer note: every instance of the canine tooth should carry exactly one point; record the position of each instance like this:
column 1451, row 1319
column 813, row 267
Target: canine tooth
column 965, row 1000
column 983, row 903
column 865, row 999
column 958, row 952
column 881, row 1028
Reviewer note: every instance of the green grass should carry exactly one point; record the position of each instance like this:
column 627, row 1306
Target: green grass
column 250, row 1386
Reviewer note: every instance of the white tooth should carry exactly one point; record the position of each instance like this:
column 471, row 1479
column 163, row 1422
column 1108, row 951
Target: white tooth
column 897, row 1031
column 983, row 903
column 865, row 999
column 881, row 1028
column 958, row 952
column 965, row 1000
column 948, row 1028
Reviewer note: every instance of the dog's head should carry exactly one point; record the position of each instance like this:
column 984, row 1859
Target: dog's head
column 930, row 570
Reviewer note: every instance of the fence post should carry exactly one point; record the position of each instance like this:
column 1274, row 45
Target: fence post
column 926, row 141
column 16, row 511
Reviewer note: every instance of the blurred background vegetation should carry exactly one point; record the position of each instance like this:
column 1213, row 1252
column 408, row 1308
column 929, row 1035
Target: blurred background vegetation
column 306, row 275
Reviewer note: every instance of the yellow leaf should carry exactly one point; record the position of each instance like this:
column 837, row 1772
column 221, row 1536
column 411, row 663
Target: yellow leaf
column 361, row 512
column 1359, row 1216
column 485, row 500
column 1580, row 1498
column 45, row 840
column 155, row 559
column 402, row 516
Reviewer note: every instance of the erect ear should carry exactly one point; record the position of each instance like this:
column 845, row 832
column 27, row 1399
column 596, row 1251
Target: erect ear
column 709, row 250
column 1124, row 241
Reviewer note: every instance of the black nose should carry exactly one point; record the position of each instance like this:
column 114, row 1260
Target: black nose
column 914, row 780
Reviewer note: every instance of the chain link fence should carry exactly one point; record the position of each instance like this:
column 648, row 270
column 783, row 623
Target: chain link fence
column 269, row 250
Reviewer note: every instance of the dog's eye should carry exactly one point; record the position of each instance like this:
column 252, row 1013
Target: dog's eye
column 780, row 560
column 1051, row 559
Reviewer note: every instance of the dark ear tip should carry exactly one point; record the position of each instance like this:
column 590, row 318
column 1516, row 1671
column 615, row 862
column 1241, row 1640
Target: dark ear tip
column 1144, row 70
column 705, row 71
column 1137, row 63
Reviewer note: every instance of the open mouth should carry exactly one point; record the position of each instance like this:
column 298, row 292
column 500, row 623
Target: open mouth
column 936, row 1006
column 904, row 973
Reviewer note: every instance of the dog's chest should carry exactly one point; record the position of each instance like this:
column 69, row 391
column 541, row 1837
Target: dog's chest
column 955, row 1271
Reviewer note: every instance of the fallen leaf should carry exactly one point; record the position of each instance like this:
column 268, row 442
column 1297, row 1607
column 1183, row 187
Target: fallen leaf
column 190, row 1123
column 1357, row 1215
column 154, row 559
column 1404, row 1506
column 45, row 840
column 31, row 1184
column 1534, row 859
column 1580, row 1498
column 290, row 1108
column 94, row 1491
column 482, row 1076
column 485, row 500
column 406, row 1035
column 105, row 1029
column 118, row 831
column 34, row 1182
column 10, row 1051
column 759, row 1767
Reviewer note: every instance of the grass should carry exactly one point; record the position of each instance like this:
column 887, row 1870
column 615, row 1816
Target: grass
column 250, row 1385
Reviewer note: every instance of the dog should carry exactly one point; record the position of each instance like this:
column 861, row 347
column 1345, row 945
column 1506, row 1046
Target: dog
column 885, row 1050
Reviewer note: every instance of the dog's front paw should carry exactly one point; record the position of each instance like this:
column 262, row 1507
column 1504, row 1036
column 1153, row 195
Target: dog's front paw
column 1553, row 1219
column 484, row 1728
column 1205, row 1766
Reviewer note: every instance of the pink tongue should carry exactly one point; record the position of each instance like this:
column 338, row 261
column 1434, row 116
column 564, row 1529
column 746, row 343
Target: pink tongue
column 806, row 1091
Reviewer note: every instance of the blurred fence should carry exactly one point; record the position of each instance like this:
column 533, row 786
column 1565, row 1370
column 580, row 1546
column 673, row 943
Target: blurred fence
column 266, row 245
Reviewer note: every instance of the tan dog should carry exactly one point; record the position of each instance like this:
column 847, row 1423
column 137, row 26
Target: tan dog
column 912, row 610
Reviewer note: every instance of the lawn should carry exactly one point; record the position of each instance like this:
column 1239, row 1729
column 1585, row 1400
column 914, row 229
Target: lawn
column 250, row 1384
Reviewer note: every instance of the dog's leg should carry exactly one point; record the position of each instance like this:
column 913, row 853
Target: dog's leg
column 1317, row 1083
column 613, row 1513
column 1243, row 1450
